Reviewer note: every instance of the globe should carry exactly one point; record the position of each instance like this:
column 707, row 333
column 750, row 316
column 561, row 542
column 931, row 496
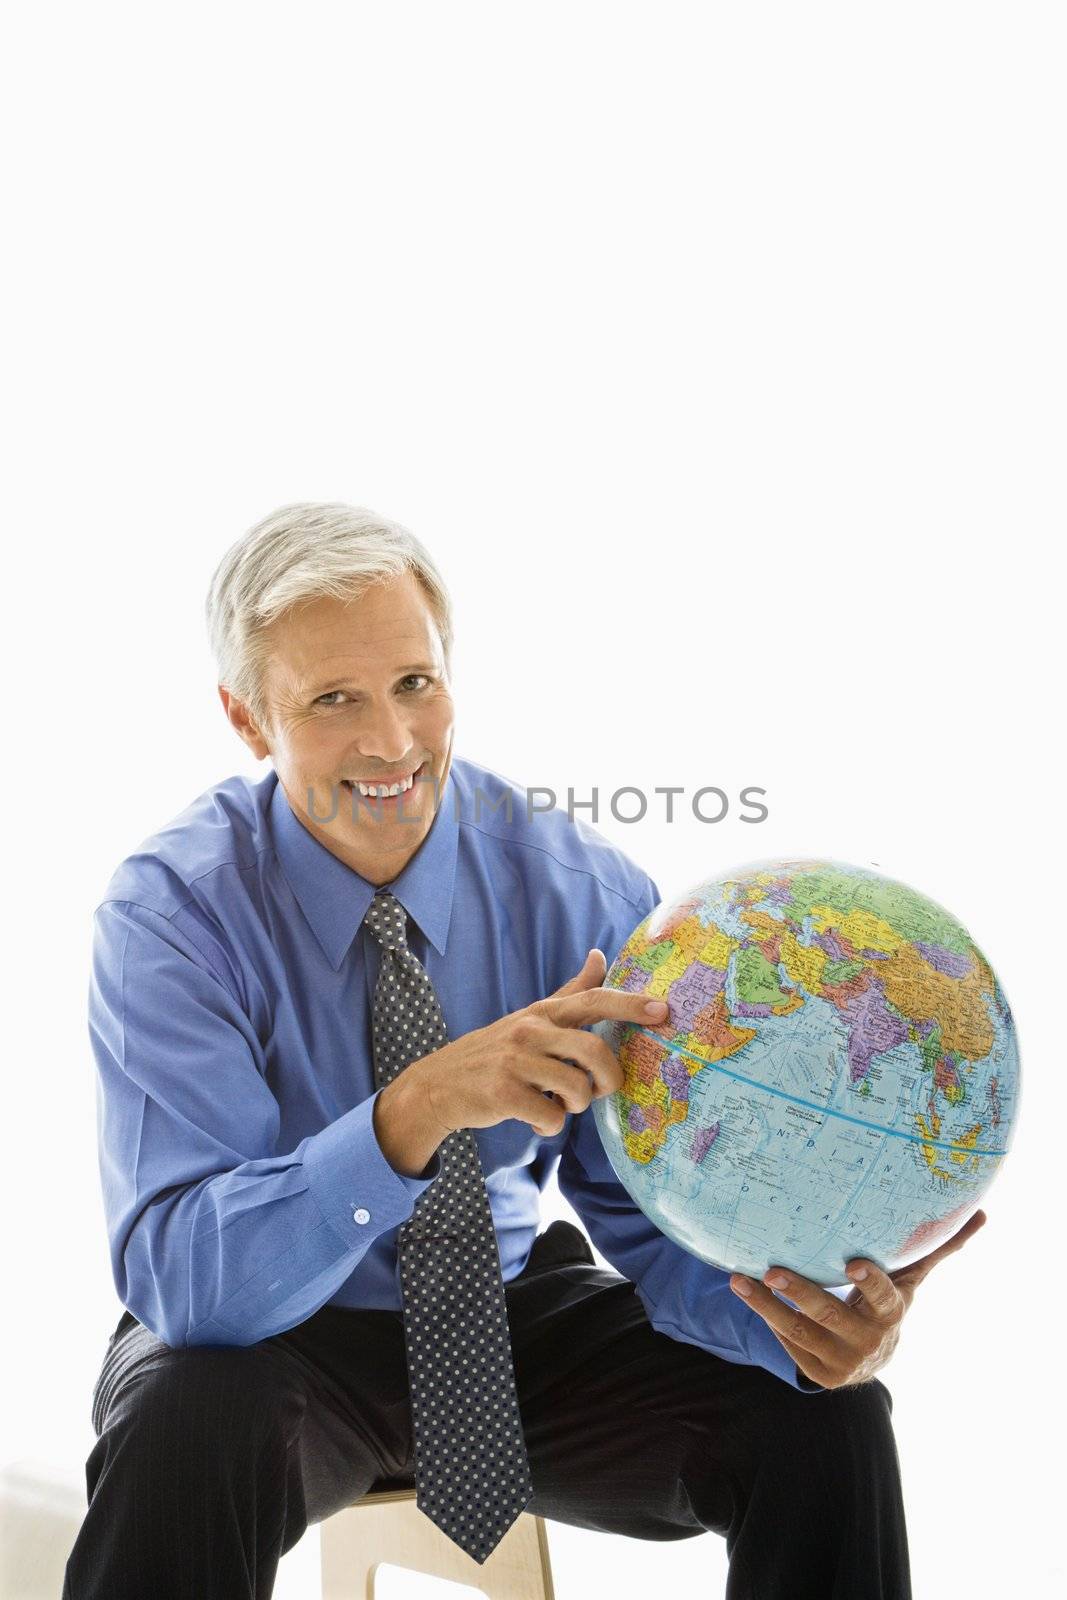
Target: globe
column 838, row 1074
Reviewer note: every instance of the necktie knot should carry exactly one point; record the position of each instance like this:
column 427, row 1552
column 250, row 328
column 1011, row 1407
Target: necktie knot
column 387, row 920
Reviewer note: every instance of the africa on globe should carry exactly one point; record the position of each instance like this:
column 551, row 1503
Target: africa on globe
column 838, row 1074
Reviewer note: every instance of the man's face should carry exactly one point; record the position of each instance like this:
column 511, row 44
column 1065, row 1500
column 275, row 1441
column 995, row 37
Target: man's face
column 357, row 690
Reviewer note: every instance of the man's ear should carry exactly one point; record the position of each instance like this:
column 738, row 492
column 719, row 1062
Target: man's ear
column 241, row 718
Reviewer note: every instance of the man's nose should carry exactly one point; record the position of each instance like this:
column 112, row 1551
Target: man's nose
column 385, row 735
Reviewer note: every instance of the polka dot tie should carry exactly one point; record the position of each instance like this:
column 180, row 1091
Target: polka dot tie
column 472, row 1477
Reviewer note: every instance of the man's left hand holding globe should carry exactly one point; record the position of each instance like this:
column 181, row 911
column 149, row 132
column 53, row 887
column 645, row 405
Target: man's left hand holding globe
column 837, row 1342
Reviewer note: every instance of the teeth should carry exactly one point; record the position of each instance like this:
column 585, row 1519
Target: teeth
column 379, row 791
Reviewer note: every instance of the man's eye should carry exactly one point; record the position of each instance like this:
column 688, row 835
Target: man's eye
column 412, row 677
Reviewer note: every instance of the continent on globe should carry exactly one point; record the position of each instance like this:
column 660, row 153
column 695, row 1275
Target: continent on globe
column 838, row 1074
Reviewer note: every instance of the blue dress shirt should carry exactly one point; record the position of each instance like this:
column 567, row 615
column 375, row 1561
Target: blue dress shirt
column 229, row 1012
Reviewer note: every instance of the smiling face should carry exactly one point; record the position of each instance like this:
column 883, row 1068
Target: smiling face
column 357, row 689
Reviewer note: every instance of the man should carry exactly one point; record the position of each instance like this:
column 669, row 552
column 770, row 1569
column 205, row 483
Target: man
column 343, row 1043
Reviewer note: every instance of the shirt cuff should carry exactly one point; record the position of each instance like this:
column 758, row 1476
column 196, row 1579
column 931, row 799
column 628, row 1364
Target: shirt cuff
column 359, row 1194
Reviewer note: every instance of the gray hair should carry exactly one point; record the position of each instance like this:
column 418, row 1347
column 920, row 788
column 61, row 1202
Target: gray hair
column 300, row 553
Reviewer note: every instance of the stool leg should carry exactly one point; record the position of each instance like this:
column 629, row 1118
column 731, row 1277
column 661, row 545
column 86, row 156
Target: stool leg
column 350, row 1556
column 356, row 1541
column 519, row 1568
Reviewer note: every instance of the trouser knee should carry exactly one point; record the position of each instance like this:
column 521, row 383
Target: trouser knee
column 192, row 1410
column 836, row 1442
column 814, row 1449
column 194, row 1487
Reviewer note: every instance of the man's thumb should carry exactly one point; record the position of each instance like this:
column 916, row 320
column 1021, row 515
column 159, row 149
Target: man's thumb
column 592, row 975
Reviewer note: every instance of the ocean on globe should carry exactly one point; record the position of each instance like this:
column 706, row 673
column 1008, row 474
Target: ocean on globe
column 838, row 1075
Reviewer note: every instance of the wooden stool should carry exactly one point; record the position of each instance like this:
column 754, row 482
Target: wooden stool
column 386, row 1525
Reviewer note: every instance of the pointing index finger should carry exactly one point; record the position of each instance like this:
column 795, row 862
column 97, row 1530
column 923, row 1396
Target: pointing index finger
column 603, row 1005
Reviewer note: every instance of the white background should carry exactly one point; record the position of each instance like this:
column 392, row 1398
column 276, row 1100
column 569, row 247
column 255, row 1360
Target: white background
column 717, row 355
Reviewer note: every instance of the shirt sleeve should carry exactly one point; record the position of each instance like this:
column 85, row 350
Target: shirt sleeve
column 685, row 1297
column 215, row 1235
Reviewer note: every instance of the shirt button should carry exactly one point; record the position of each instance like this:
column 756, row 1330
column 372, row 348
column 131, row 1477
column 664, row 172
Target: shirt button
column 360, row 1215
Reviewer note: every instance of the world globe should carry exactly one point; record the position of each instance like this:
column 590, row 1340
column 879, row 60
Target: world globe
column 838, row 1074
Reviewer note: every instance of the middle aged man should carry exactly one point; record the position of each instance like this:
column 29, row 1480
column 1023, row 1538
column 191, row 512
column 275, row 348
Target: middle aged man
column 342, row 1043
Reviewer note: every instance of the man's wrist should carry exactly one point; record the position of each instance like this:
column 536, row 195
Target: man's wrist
column 405, row 1126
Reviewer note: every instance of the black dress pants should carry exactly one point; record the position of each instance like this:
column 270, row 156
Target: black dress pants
column 211, row 1461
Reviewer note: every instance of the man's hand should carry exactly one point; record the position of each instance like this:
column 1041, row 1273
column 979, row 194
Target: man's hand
column 508, row 1068
column 837, row 1342
column 535, row 1065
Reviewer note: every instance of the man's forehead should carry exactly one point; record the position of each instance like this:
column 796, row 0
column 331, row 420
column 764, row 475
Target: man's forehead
column 340, row 642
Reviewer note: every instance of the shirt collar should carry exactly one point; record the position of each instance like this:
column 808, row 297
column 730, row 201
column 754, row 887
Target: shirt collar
column 335, row 898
